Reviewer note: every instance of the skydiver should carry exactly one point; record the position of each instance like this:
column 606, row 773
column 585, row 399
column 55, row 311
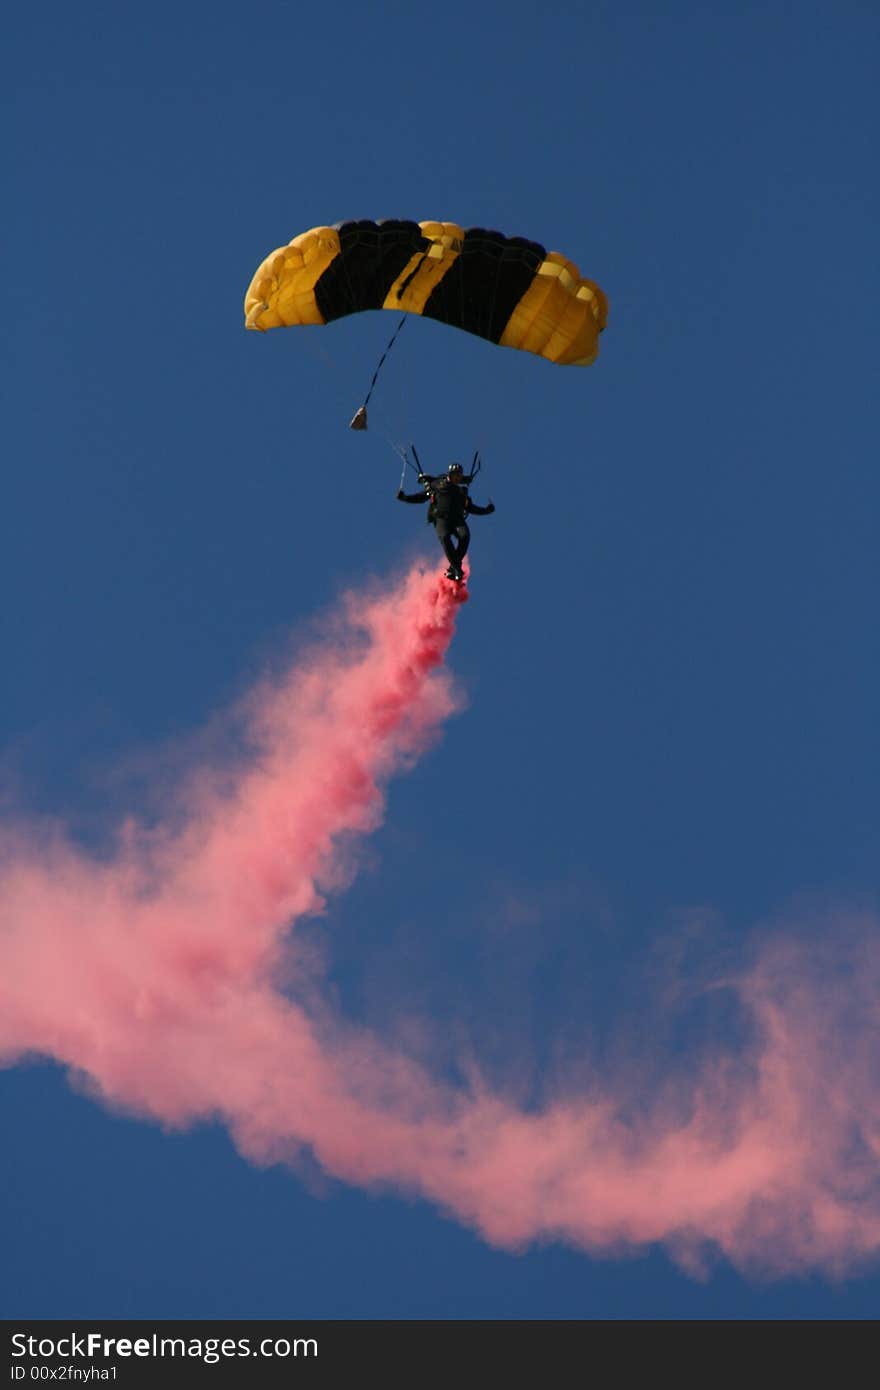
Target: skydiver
column 449, row 507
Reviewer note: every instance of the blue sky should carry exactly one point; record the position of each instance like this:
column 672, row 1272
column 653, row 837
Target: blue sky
column 669, row 745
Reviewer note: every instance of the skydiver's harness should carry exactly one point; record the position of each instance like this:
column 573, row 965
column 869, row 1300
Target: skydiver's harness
column 430, row 483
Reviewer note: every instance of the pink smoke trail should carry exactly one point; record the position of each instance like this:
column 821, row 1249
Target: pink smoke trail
column 161, row 976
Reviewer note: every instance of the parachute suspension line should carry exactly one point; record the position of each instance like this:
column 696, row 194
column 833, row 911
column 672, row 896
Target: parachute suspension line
column 329, row 362
column 407, row 461
column 359, row 420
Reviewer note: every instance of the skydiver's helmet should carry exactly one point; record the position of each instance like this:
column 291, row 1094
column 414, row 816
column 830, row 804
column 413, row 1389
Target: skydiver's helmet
column 455, row 473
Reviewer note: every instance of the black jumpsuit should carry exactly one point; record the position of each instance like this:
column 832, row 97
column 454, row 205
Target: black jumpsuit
column 449, row 509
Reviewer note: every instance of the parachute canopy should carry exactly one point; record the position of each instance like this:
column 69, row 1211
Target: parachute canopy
column 506, row 289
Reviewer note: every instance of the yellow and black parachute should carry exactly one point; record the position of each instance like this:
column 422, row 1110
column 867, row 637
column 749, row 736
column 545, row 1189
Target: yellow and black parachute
column 507, row 289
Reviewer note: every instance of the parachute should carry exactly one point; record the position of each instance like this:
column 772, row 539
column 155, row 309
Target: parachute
column 506, row 289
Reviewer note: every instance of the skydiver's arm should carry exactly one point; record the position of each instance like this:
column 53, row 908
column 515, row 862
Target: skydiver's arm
column 411, row 496
column 474, row 510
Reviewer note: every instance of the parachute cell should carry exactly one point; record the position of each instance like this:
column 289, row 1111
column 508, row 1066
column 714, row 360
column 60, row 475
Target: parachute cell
column 506, row 289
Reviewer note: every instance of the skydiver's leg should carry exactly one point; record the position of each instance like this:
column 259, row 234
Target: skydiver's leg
column 463, row 531
column 444, row 535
